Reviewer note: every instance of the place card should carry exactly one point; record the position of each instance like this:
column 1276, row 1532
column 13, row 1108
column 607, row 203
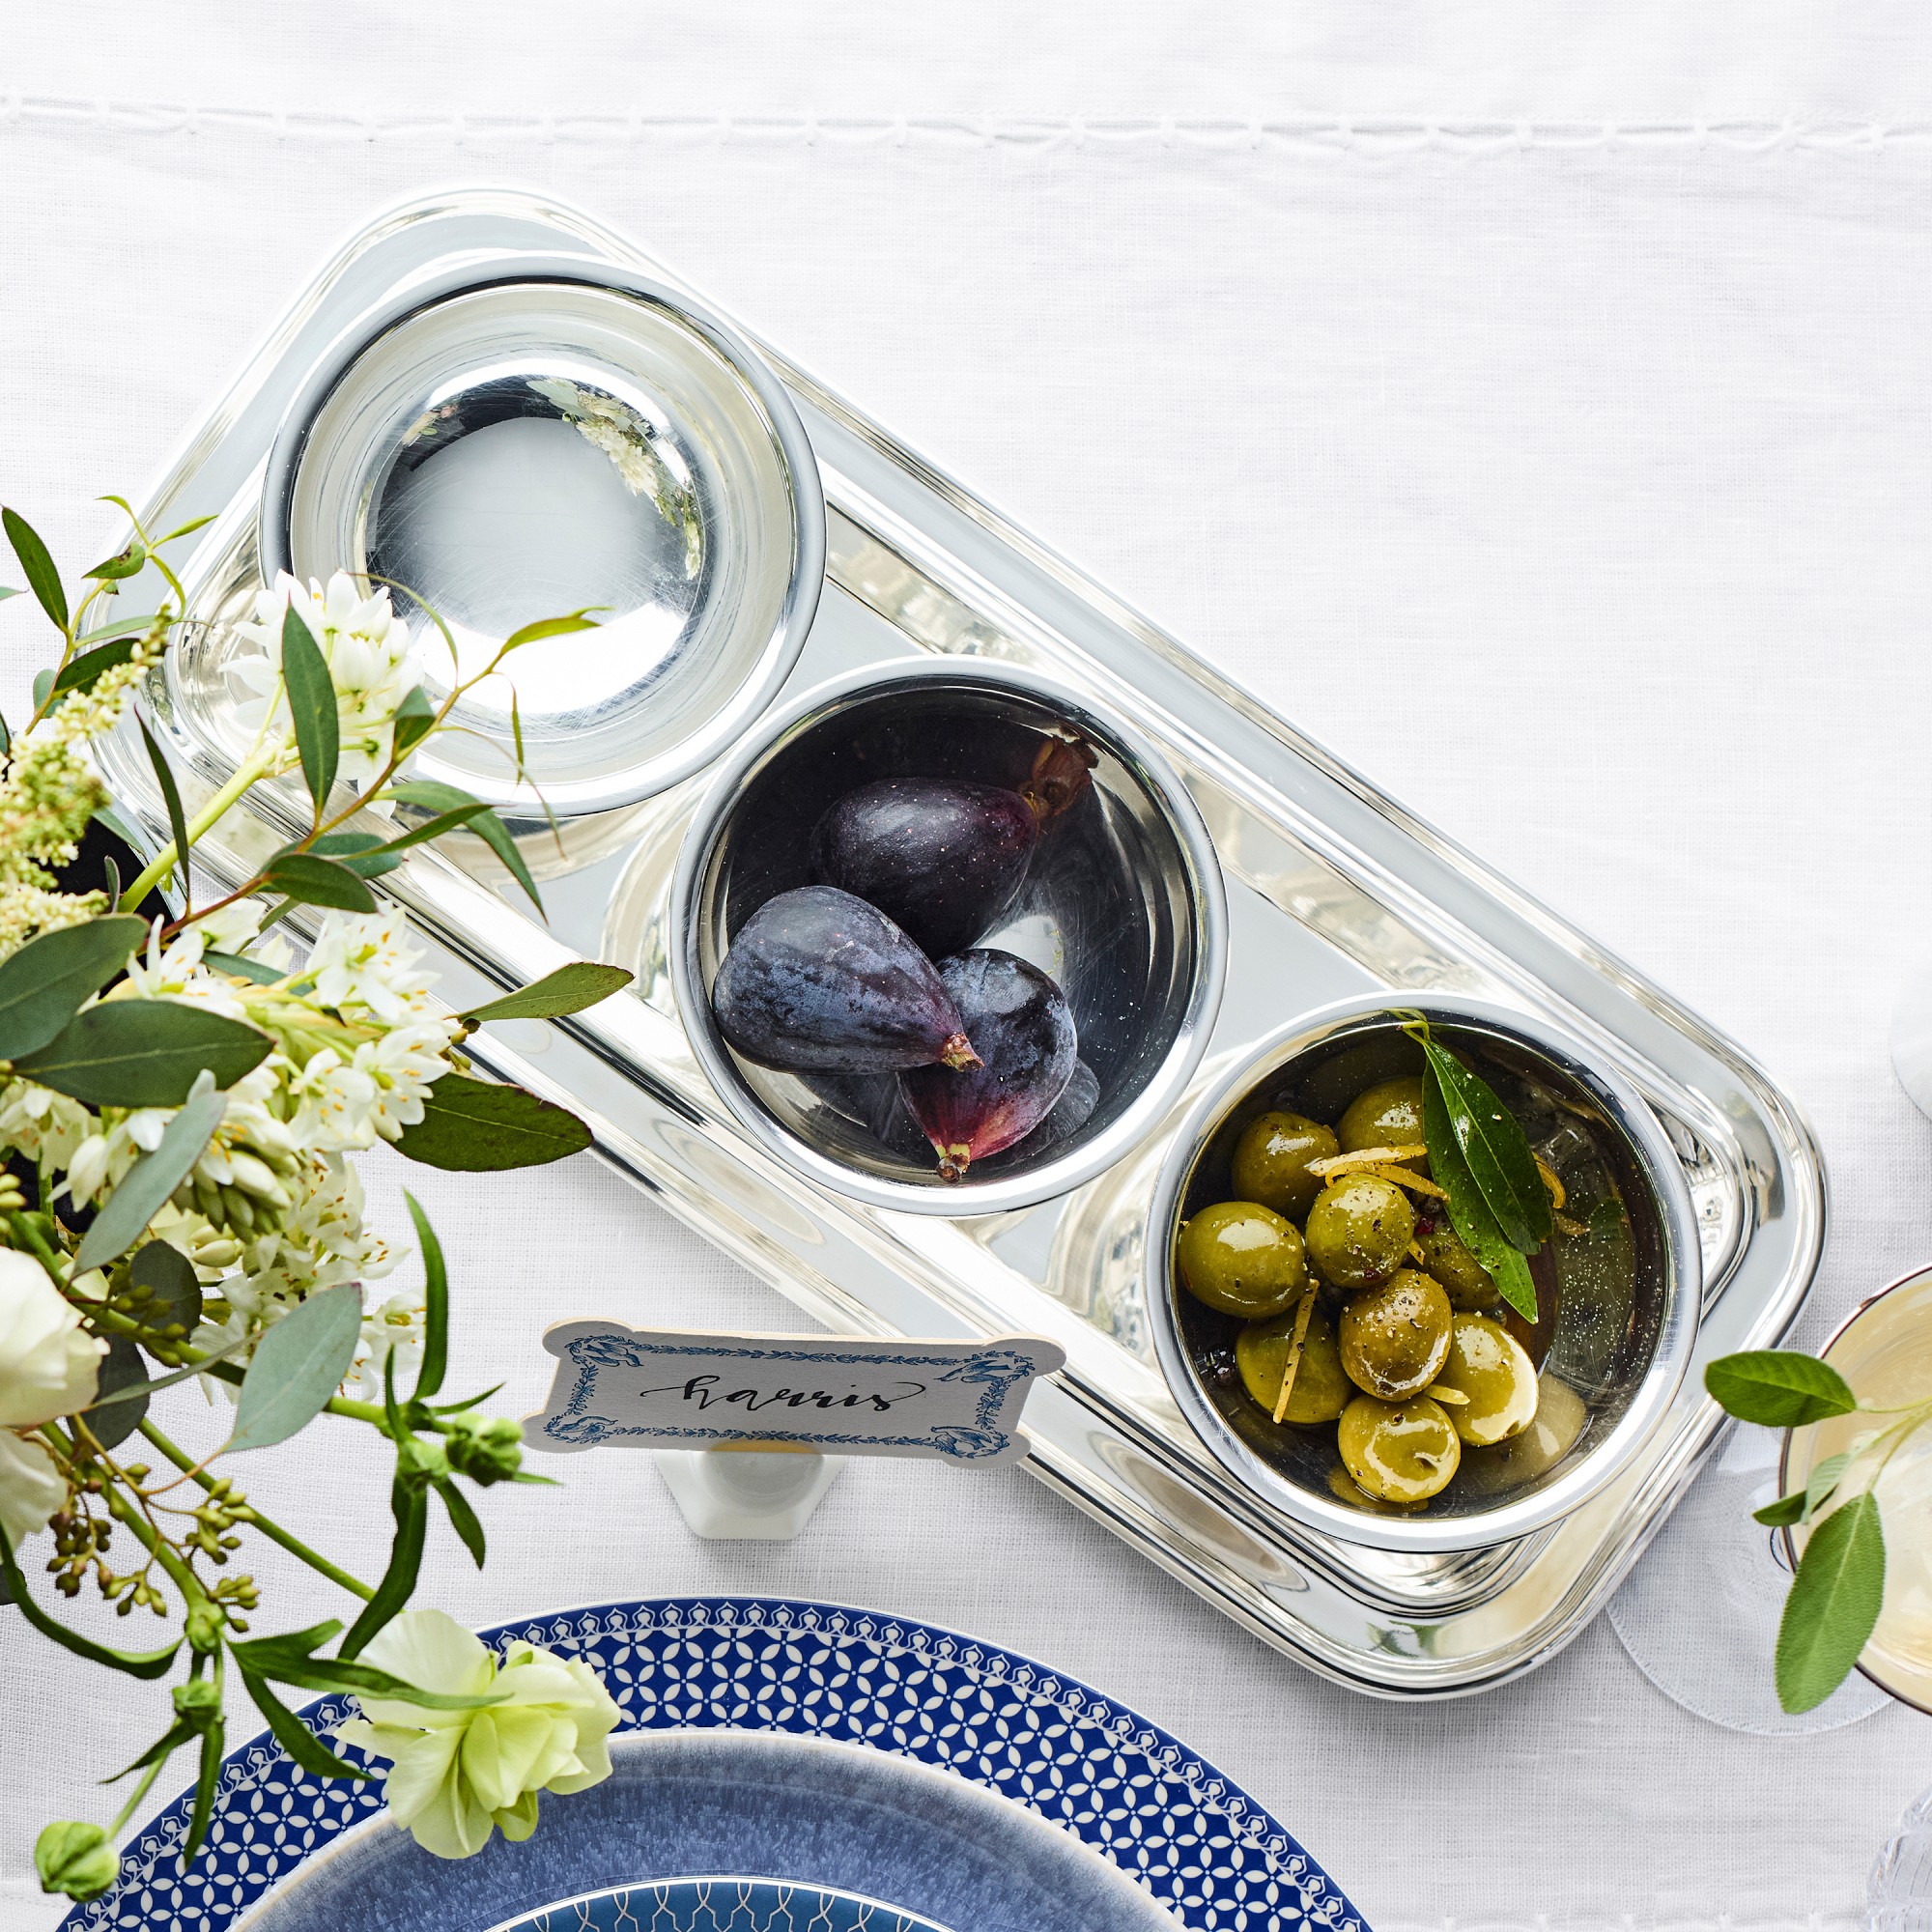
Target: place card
column 631, row 1388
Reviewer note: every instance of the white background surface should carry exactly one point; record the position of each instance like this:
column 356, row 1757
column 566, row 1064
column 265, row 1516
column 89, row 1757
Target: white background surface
column 1530, row 403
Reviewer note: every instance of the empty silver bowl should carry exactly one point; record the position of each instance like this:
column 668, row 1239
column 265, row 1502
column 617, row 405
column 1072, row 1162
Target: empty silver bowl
column 524, row 435
column 1123, row 907
column 1621, row 1344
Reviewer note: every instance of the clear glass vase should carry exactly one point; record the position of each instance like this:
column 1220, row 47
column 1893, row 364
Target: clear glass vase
column 1899, row 1895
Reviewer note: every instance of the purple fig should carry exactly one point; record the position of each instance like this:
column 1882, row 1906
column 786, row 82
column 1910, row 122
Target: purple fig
column 1024, row 1031
column 820, row 980
column 944, row 858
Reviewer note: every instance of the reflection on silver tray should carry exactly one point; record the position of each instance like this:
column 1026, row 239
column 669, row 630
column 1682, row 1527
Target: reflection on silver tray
column 1333, row 892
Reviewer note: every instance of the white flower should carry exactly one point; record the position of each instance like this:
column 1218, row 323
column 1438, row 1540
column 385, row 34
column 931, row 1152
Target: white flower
column 367, row 649
column 367, row 960
column 456, row 1776
column 175, row 972
column 45, row 1126
column 30, row 1488
column 49, row 1364
column 393, row 1327
column 401, row 1067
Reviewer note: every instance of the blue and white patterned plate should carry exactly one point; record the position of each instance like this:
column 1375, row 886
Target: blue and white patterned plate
column 1190, row 1839
column 718, row 1905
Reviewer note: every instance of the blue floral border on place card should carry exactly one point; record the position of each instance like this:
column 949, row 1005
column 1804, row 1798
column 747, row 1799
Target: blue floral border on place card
column 997, row 1368
column 1193, row 1840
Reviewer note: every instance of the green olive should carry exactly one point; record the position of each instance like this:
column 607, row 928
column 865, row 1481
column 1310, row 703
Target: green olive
column 1271, row 1161
column 1345, row 1489
column 1399, row 1451
column 1386, row 1116
column 1321, row 1391
column 1242, row 1258
column 1489, row 1366
column 1469, row 1284
column 1358, row 1230
column 1560, row 1420
column 1395, row 1338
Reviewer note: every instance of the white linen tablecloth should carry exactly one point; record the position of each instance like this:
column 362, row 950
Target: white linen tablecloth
column 1530, row 403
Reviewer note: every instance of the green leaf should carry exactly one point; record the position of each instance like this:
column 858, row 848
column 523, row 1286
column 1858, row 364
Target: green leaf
column 463, row 1519
column 43, row 985
column 289, row 1660
column 184, row 529
column 143, row 1663
column 84, row 672
column 475, row 1126
column 1786, row 1510
column 435, row 828
column 42, row 577
column 1833, row 1604
column 1824, row 1480
column 6, row 738
column 244, row 968
column 165, row 1746
column 298, row 1364
column 1778, row 1387
column 414, row 720
column 554, row 627
column 171, row 797
column 1468, row 1212
column 296, row 1738
column 145, row 1188
column 436, row 796
column 44, row 684
column 144, row 1053
column 409, row 1503
column 312, row 707
column 129, row 562
column 362, row 852
column 208, row 1771
column 166, row 1290
column 1494, row 1149
column 203, row 1365
column 315, row 881
column 570, row 989
column 119, row 627
column 121, row 1369
column 436, row 1306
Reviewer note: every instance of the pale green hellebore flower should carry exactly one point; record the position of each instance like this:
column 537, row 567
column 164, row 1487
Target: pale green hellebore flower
column 456, row 1776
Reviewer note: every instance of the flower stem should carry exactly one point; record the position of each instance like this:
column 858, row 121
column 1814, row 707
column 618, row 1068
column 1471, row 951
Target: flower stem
column 270, row 1528
column 134, row 1797
column 246, row 774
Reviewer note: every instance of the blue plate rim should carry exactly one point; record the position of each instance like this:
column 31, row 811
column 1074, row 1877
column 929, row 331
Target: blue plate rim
column 917, row 1920
column 1240, row 1897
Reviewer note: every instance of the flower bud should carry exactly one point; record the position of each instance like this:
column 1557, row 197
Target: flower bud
column 421, row 1461
column 75, row 1858
column 204, row 1630
column 486, row 1449
column 197, row 1700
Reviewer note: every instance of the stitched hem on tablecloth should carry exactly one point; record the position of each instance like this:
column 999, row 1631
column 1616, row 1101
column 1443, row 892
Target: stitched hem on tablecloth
column 1375, row 136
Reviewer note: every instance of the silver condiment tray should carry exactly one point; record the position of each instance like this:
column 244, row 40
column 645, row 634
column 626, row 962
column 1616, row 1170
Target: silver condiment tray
column 1333, row 889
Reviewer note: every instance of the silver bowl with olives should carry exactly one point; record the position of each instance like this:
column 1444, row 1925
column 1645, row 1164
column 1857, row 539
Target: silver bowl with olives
column 1424, row 1277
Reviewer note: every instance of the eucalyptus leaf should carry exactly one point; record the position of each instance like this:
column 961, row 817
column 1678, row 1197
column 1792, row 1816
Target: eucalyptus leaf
column 144, row 1190
column 475, row 1126
column 316, row 881
column 244, row 968
column 434, row 828
column 438, row 797
column 1494, row 1149
column 312, row 705
column 186, row 529
column 164, row 777
column 1833, row 1605
column 144, row 1053
column 414, row 720
column 296, row 1738
column 121, row 1369
column 44, row 684
column 1781, row 1514
column 570, row 989
column 201, row 1365
column 1468, row 1211
column 43, row 985
column 42, row 579
column 298, row 1364
column 362, row 852
column 84, row 672
column 1778, row 1387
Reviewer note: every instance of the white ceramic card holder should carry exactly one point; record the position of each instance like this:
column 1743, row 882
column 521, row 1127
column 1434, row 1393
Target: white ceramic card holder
column 750, row 1431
